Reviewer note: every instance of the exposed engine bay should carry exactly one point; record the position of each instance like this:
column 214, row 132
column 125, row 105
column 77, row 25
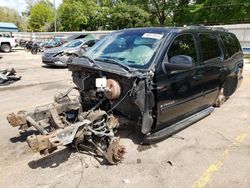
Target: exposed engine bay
column 91, row 120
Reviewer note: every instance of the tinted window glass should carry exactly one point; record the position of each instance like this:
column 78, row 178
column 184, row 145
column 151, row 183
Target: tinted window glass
column 183, row 45
column 74, row 43
column 209, row 47
column 231, row 44
column 90, row 43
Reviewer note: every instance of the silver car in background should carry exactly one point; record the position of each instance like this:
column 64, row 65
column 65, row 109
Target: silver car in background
column 59, row 56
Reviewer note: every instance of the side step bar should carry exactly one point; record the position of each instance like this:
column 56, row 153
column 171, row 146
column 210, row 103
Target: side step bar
column 171, row 130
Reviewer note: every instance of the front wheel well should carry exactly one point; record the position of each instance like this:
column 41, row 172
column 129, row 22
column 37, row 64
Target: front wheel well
column 4, row 43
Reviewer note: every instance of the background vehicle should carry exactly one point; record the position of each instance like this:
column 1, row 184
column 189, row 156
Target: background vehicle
column 7, row 43
column 28, row 45
column 59, row 56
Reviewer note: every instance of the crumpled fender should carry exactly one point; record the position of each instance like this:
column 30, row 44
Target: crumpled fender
column 145, row 101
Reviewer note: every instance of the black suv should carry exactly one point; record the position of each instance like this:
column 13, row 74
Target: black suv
column 161, row 79
column 167, row 78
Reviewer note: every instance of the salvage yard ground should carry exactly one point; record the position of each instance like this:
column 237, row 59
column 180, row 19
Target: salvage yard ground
column 214, row 152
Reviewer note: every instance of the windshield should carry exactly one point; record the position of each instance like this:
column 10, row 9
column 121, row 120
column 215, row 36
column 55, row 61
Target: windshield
column 132, row 48
column 73, row 44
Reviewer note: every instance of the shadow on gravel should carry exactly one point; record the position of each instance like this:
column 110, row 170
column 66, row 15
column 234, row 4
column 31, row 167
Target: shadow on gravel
column 53, row 160
column 130, row 132
column 23, row 136
column 52, row 67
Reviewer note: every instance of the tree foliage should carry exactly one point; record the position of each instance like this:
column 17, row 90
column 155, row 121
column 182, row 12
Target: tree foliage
column 11, row 15
column 77, row 15
column 92, row 15
column 41, row 16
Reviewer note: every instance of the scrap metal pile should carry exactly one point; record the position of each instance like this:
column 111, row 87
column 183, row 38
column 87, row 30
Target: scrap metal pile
column 8, row 76
column 63, row 123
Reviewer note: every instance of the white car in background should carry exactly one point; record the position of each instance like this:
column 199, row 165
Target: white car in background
column 7, row 43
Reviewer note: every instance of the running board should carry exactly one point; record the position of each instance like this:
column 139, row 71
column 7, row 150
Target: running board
column 171, row 130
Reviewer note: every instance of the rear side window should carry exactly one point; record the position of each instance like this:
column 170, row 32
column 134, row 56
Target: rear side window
column 209, row 46
column 183, row 45
column 90, row 43
column 231, row 44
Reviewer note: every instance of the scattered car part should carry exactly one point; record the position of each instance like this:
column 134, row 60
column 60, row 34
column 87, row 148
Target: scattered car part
column 63, row 122
column 221, row 99
column 8, row 76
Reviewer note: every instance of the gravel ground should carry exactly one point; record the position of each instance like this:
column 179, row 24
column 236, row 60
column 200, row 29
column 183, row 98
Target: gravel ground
column 214, row 152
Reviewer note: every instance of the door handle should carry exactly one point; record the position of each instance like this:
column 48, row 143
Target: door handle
column 197, row 77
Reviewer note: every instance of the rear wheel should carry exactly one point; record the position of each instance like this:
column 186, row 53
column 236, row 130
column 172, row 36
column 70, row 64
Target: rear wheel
column 34, row 51
column 5, row 48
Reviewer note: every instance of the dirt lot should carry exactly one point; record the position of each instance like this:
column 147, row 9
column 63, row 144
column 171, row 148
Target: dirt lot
column 214, row 152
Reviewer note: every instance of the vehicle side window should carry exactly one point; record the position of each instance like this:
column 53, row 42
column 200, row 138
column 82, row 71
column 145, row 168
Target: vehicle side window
column 183, row 45
column 209, row 46
column 90, row 43
column 231, row 44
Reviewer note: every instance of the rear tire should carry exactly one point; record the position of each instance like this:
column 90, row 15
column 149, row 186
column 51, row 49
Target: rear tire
column 6, row 48
column 34, row 51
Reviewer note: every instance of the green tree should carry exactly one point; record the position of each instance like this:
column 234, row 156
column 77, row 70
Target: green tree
column 161, row 11
column 74, row 14
column 123, row 15
column 11, row 15
column 210, row 12
column 41, row 16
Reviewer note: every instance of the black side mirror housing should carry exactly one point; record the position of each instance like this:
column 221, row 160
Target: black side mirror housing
column 179, row 62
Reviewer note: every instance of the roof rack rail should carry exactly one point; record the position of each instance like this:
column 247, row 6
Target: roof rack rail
column 219, row 28
column 201, row 26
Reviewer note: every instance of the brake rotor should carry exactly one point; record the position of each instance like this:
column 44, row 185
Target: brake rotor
column 115, row 152
column 112, row 90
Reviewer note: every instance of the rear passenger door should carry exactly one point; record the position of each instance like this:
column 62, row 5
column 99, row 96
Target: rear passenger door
column 211, row 59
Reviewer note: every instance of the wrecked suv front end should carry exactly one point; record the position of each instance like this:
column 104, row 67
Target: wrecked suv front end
column 114, row 88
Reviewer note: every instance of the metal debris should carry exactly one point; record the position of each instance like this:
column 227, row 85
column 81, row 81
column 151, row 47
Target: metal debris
column 63, row 123
column 8, row 76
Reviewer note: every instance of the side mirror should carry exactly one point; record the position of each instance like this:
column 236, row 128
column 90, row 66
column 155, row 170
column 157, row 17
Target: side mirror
column 179, row 62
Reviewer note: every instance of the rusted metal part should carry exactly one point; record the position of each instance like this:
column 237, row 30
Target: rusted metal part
column 220, row 100
column 112, row 90
column 112, row 122
column 63, row 122
column 96, row 115
column 56, row 118
column 56, row 138
column 41, row 143
column 17, row 120
column 115, row 152
column 36, row 125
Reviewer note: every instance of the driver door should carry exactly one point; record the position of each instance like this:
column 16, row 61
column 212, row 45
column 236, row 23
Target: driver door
column 179, row 92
